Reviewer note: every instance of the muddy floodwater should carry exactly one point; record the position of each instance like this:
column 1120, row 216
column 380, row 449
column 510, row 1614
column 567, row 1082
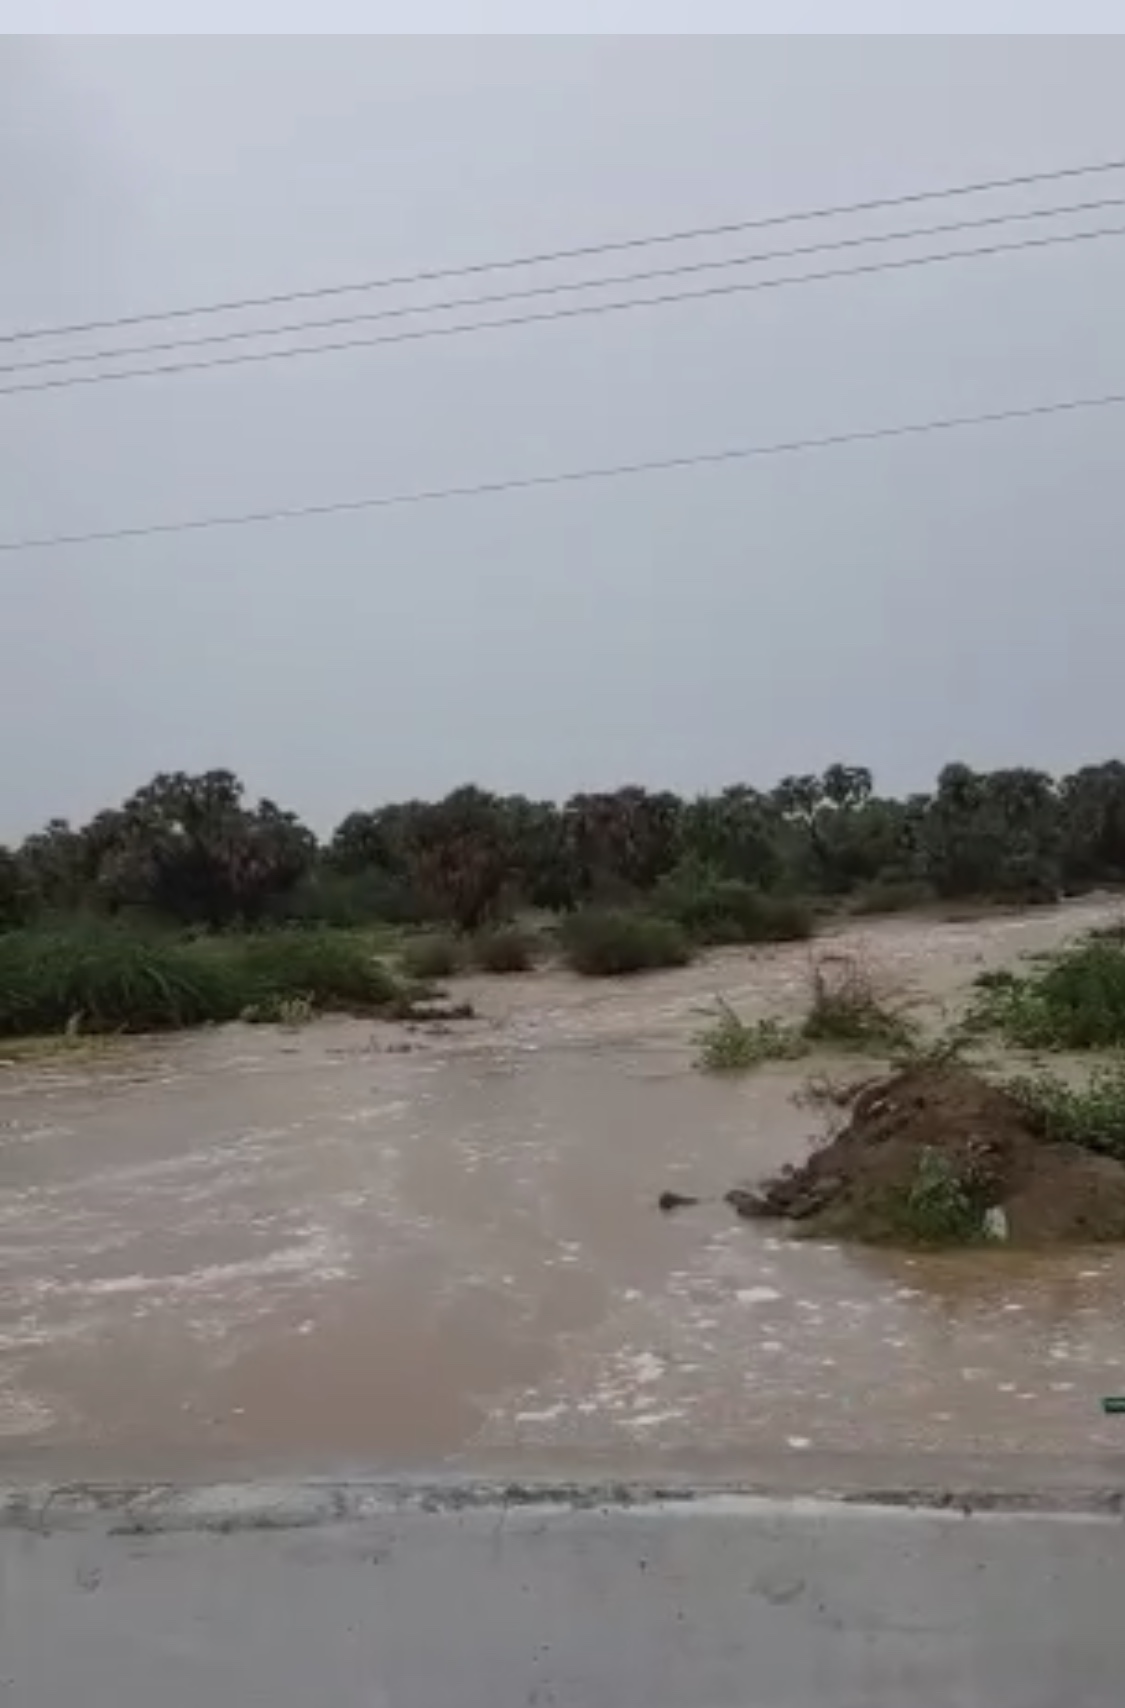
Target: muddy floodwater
column 316, row 1248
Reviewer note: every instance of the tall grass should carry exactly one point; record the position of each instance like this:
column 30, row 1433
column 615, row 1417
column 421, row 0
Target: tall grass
column 98, row 979
column 332, row 971
column 101, row 978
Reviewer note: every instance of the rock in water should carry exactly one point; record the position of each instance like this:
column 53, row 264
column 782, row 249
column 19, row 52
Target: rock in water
column 675, row 1201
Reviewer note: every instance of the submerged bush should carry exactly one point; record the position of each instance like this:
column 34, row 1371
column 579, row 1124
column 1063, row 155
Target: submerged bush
column 846, row 1012
column 733, row 1045
column 504, row 949
column 601, row 943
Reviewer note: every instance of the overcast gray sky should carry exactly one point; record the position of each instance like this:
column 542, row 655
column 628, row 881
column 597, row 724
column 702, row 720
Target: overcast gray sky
column 895, row 605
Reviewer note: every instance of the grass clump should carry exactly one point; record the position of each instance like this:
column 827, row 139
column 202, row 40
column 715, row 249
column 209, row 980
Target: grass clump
column 104, row 978
column 1091, row 1115
column 330, row 971
column 1074, row 1001
column 845, row 1012
column 733, row 1045
column 944, row 1203
column 504, row 949
column 430, row 955
column 601, row 943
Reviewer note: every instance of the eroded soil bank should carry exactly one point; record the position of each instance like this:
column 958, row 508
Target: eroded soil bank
column 935, row 1153
column 312, row 1249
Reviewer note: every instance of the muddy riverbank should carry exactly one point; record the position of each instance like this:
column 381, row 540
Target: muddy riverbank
column 312, row 1248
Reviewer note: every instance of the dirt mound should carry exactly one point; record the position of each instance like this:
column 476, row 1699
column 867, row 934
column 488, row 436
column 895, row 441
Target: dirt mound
column 937, row 1152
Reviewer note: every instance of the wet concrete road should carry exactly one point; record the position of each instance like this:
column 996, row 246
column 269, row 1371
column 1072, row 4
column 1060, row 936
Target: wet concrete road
column 713, row 1604
column 308, row 1249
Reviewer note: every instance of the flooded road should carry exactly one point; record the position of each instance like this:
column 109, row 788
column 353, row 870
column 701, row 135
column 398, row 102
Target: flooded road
column 314, row 1248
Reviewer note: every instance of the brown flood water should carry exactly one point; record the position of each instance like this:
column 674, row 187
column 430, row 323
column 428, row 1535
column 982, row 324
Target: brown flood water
column 307, row 1248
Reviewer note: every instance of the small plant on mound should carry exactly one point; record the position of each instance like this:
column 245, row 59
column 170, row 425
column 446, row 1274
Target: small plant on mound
column 845, row 1012
column 431, row 955
column 945, row 1202
column 603, row 943
column 733, row 1045
column 1091, row 1115
column 1072, row 1001
column 505, row 949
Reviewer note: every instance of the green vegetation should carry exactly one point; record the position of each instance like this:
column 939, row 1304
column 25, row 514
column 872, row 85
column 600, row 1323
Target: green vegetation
column 431, row 955
column 1091, row 1114
column 637, row 877
column 846, row 1014
column 602, row 942
column 192, row 850
column 944, row 1204
column 331, row 971
column 1074, row 1000
column 713, row 909
column 97, row 978
column 504, row 949
column 733, row 1045
column 101, row 979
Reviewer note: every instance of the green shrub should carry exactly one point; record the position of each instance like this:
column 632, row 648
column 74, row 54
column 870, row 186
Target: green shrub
column 431, row 955
column 1091, row 1115
column 505, row 949
column 733, row 1045
column 785, row 919
column 102, row 979
column 714, row 910
column 1074, row 1001
column 602, row 943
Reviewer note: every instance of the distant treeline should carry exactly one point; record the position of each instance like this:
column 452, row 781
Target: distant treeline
column 192, row 851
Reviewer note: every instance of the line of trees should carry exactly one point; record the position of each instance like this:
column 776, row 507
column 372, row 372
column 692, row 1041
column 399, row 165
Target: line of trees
column 194, row 851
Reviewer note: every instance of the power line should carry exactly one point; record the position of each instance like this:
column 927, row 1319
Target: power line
column 569, row 477
column 543, row 316
column 579, row 252
column 242, row 334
